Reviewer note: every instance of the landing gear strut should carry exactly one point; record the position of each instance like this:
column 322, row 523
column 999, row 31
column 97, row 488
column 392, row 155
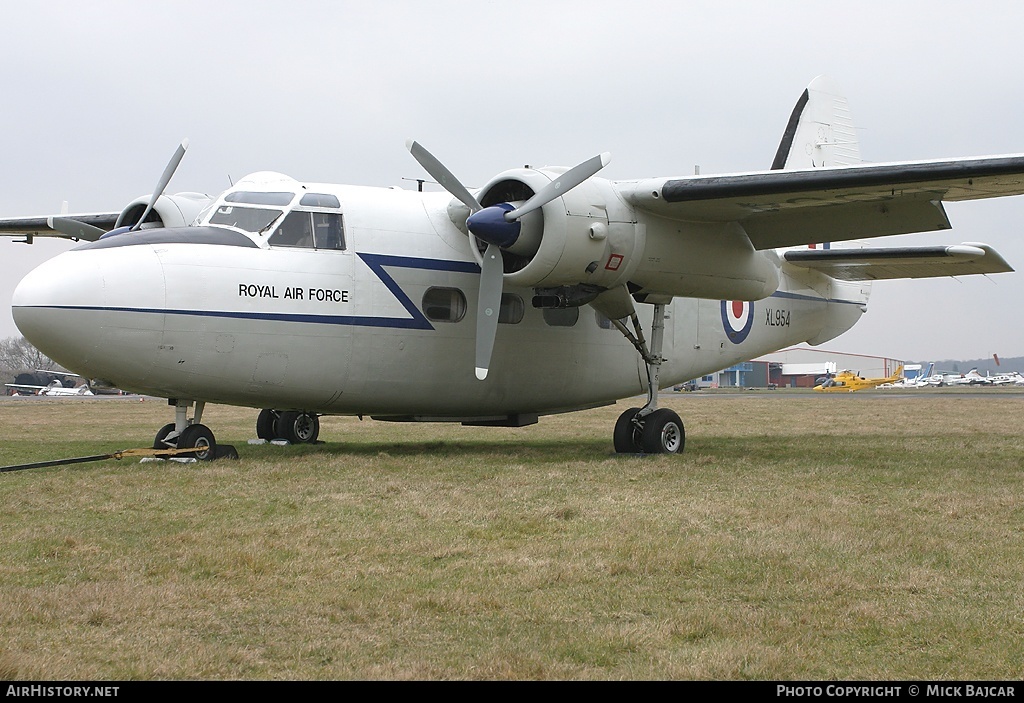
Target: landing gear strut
column 298, row 427
column 185, row 433
column 650, row 429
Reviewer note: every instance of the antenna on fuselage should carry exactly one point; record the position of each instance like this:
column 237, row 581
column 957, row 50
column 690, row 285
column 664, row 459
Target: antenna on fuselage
column 420, row 182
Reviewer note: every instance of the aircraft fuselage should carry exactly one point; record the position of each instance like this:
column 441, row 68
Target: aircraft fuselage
column 382, row 325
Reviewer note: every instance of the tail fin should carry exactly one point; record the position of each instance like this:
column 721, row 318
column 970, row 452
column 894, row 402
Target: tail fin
column 820, row 133
column 820, row 130
column 896, row 375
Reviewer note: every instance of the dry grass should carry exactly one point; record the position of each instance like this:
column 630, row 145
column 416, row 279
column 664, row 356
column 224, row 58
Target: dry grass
column 799, row 537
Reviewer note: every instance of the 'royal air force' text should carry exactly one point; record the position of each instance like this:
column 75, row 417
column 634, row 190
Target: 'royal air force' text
column 321, row 295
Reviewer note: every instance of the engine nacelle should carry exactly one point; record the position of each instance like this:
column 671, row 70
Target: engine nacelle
column 589, row 239
column 178, row 210
column 712, row 260
column 587, row 236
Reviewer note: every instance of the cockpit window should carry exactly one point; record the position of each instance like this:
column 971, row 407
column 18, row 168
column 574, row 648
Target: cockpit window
column 310, row 230
column 248, row 218
column 254, row 198
column 328, row 231
column 320, row 200
column 295, row 231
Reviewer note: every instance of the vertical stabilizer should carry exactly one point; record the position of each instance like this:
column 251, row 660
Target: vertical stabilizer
column 820, row 130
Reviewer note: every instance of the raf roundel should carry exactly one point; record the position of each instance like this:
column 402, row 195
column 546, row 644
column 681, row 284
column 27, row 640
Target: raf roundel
column 737, row 319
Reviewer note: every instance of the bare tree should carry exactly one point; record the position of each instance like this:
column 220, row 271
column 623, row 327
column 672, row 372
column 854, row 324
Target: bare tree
column 18, row 356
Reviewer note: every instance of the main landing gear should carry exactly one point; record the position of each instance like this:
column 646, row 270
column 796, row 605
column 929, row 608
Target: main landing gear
column 185, row 433
column 650, row 429
column 295, row 426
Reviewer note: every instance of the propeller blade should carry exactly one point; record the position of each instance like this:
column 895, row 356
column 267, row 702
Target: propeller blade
column 563, row 184
column 75, row 229
column 172, row 166
column 491, row 275
column 442, row 175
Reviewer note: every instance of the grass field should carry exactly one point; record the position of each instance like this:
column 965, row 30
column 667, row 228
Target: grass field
column 867, row 536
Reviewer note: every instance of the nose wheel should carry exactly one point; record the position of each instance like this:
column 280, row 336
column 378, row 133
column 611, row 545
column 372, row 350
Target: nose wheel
column 201, row 438
column 185, row 433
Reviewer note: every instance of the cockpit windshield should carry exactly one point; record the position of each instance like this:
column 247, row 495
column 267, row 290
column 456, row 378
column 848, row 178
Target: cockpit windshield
column 314, row 223
column 250, row 219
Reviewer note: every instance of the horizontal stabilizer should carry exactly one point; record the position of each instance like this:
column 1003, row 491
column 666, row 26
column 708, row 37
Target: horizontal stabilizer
column 903, row 262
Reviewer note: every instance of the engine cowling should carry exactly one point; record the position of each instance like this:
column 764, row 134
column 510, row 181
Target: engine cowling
column 587, row 236
column 178, row 210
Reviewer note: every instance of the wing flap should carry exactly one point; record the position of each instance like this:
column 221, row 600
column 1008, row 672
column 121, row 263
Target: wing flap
column 904, row 262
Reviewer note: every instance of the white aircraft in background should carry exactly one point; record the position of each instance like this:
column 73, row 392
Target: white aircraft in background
column 971, row 378
column 925, row 379
column 1007, row 379
column 55, row 388
column 490, row 306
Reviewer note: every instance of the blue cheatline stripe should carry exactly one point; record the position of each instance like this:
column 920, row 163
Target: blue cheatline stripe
column 376, row 262
column 345, row 320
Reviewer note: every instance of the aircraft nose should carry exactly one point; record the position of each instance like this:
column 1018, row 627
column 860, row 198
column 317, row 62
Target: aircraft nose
column 71, row 308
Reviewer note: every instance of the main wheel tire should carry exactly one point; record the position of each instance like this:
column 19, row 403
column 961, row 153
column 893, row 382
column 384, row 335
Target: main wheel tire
column 265, row 424
column 298, row 427
column 161, row 435
column 626, row 436
column 663, row 433
column 198, row 436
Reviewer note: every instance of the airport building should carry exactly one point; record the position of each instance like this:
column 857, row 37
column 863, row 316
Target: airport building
column 797, row 367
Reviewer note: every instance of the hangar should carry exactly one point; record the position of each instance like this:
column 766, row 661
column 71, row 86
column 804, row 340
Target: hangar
column 797, row 367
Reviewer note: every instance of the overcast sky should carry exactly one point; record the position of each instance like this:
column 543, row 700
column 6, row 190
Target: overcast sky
column 94, row 98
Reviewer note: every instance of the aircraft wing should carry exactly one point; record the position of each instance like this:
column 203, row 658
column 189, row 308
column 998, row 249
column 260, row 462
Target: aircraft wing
column 902, row 262
column 85, row 227
column 784, row 208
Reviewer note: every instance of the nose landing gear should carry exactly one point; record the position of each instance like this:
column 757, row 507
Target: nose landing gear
column 185, row 433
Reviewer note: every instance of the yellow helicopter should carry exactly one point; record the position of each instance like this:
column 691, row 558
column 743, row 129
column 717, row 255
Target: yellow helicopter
column 848, row 382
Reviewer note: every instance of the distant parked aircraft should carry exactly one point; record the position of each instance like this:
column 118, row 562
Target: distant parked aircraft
column 971, row 378
column 54, row 388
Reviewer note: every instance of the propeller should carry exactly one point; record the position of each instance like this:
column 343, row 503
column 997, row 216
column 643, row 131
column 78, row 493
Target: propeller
column 161, row 185
column 499, row 227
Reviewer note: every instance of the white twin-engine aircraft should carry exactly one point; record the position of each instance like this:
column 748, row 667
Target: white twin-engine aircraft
column 547, row 290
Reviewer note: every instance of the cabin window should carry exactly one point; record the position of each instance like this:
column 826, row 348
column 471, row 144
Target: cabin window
column 512, row 309
column 248, row 218
column 561, row 317
column 444, row 304
column 310, row 230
